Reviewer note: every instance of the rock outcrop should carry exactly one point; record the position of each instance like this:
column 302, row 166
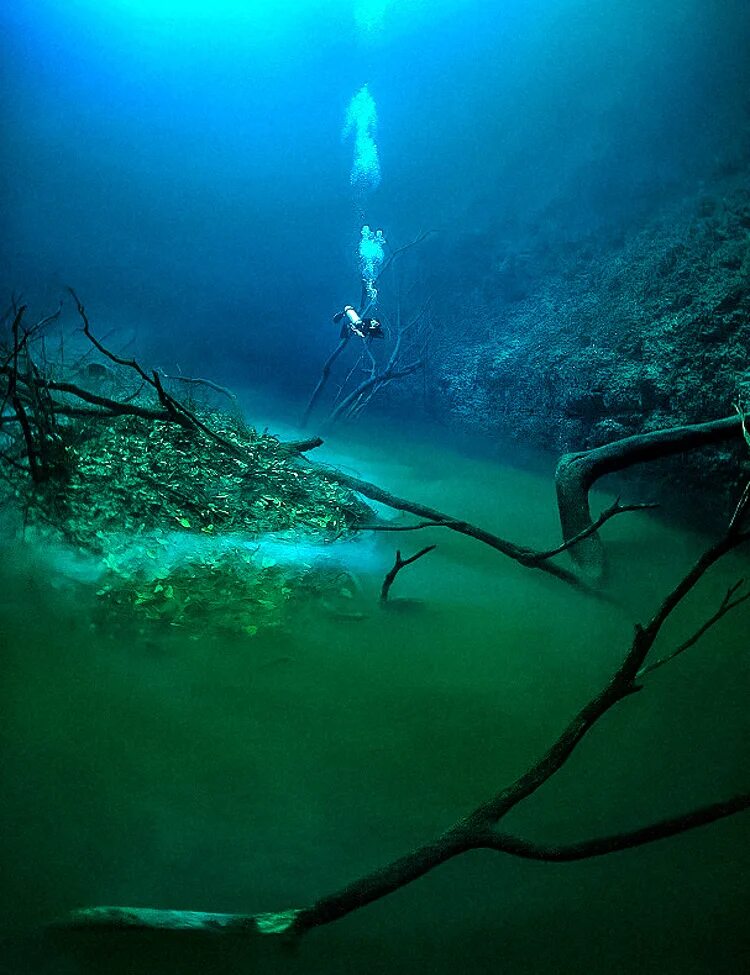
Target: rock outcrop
column 608, row 337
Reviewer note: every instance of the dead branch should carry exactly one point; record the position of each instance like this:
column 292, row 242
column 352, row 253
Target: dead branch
column 170, row 404
column 398, row 565
column 615, row 843
column 742, row 503
column 115, row 407
column 524, row 556
column 20, row 343
column 395, row 254
column 576, row 473
column 177, row 410
column 479, row 829
column 358, row 399
column 102, row 349
column 726, row 606
column 82, row 413
column 16, row 401
column 208, row 383
column 401, row 528
column 110, row 407
column 324, row 374
column 371, row 384
column 614, row 509
column 356, row 367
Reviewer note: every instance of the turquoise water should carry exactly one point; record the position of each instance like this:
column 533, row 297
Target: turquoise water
column 238, row 774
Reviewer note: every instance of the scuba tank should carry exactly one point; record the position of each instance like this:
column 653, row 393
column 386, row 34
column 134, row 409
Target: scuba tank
column 353, row 317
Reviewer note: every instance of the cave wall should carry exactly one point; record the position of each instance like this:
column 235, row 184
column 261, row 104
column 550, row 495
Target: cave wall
column 569, row 345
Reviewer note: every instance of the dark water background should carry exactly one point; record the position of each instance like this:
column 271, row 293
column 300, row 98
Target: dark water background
column 183, row 168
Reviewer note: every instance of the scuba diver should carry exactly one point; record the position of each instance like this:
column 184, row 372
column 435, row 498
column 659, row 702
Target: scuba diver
column 365, row 328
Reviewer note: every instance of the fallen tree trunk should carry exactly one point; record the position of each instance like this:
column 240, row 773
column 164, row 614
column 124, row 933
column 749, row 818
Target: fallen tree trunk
column 577, row 472
column 480, row 828
column 528, row 557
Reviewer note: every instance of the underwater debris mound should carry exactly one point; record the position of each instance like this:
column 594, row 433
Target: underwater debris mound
column 173, row 497
column 90, row 461
column 136, row 476
column 234, row 589
column 180, row 525
column 125, row 454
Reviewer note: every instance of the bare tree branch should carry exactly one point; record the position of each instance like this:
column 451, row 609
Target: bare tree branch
column 743, row 503
column 576, row 473
column 107, row 353
column 524, row 556
column 478, row 830
column 398, row 565
column 178, row 411
column 115, row 406
column 371, row 383
column 726, row 606
column 395, row 254
column 401, row 528
column 614, row 509
column 324, row 374
column 357, row 400
column 16, row 401
column 208, row 383
column 615, row 843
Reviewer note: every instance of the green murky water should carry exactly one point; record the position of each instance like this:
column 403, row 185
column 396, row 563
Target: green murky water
column 254, row 774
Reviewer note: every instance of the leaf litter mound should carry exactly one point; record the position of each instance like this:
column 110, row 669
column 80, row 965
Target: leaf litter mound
column 179, row 522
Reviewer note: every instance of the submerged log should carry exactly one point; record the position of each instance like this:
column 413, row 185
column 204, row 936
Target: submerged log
column 577, row 472
column 152, row 919
column 479, row 830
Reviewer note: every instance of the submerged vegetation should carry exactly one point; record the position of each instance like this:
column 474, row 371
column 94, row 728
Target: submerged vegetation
column 138, row 475
column 174, row 501
column 237, row 591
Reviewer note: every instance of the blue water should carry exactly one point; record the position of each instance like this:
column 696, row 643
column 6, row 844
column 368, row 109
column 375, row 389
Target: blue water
column 183, row 167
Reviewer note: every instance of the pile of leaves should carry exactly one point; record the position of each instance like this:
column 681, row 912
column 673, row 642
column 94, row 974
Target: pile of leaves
column 133, row 475
column 173, row 515
column 239, row 591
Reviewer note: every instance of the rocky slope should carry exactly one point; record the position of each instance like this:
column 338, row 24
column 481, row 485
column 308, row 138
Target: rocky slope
column 569, row 347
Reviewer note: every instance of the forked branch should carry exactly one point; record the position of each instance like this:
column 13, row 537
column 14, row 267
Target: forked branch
column 398, row 565
column 176, row 410
column 478, row 830
column 577, row 472
column 355, row 400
